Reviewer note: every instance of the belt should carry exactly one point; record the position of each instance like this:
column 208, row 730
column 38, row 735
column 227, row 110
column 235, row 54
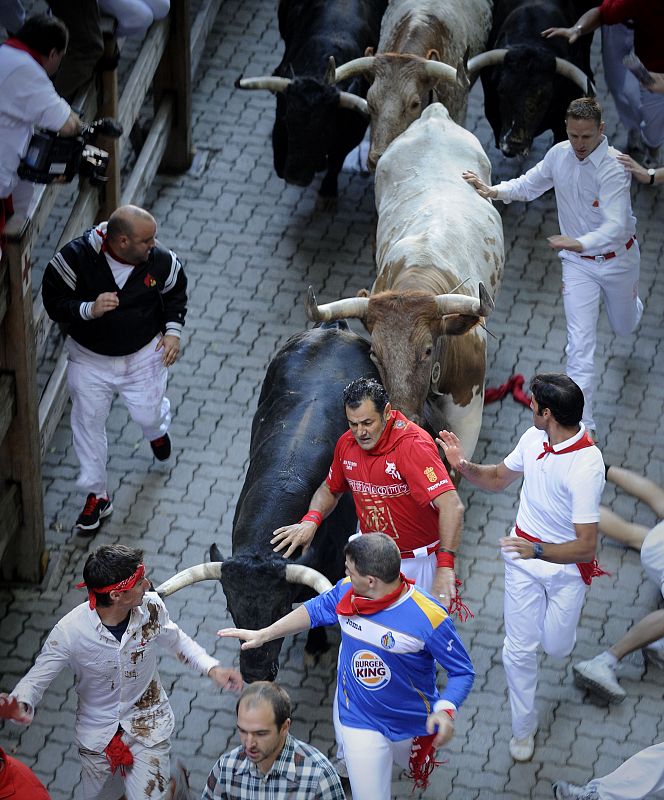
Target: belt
column 600, row 259
column 420, row 552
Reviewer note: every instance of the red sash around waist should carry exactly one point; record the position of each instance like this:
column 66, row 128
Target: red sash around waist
column 588, row 569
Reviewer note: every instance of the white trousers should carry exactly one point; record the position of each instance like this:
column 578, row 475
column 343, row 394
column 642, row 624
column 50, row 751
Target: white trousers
column 641, row 777
column 543, row 603
column 139, row 378
column 135, row 16
column 369, row 758
column 422, row 570
column 617, row 281
column 148, row 776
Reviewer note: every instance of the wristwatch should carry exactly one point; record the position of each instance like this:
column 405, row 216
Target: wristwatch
column 538, row 550
column 651, row 172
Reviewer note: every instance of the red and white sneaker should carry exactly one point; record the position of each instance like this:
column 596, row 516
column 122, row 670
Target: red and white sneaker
column 95, row 509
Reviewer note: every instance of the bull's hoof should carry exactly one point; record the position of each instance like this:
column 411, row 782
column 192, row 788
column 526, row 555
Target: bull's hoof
column 326, row 204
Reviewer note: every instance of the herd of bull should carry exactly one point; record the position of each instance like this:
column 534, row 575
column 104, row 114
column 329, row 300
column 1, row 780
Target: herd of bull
column 407, row 67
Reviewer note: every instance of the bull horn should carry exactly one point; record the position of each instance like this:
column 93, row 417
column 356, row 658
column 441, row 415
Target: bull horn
column 269, row 82
column 307, row 576
column 358, row 66
column 353, row 102
column 490, row 58
column 440, row 71
column 349, row 308
column 576, row 75
column 210, row 571
column 330, row 71
column 462, row 304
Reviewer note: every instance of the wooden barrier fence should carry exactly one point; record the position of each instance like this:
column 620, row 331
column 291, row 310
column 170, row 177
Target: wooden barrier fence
column 168, row 58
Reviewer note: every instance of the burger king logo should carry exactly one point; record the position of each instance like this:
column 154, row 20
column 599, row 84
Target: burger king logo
column 369, row 670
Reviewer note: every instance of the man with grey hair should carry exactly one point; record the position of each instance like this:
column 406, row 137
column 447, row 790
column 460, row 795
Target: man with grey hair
column 123, row 298
column 270, row 761
column 392, row 635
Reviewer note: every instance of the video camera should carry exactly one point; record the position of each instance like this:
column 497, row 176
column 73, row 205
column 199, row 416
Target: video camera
column 51, row 157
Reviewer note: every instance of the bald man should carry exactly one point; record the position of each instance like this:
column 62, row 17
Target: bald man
column 122, row 297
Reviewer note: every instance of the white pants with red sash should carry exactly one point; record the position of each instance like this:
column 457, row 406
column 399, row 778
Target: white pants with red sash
column 543, row 603
column 148, row 776
column 584, row 281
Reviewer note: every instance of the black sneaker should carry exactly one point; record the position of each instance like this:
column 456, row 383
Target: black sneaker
column 161, row 447
column 95, row 509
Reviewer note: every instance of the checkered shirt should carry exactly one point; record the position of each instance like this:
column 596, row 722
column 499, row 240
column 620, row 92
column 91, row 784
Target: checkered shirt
column 300, row 773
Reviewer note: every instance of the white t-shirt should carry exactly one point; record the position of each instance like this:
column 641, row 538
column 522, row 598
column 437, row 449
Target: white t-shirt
column 29, row 100
column 559, row 489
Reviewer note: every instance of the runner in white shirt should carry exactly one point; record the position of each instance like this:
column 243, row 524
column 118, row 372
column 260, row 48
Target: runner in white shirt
column 597, row 243
column 27, row 62
column 123, row 720
column 550, row 553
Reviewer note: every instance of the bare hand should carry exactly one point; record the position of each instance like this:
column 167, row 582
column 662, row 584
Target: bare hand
column 10, row 708
column 226, row 678
column 515, row 544
column 560, row 242
column 480, row 187
column 293, row 536
column 657, row 84
column 639, row 172
column 571, row 34
column 443, row 587
column 171, row 347
column 106, row 301
column 445, row 727
column 451, row 446
column 251, row 639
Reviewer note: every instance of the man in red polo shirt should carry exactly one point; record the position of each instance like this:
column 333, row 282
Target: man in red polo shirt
column 400, row 487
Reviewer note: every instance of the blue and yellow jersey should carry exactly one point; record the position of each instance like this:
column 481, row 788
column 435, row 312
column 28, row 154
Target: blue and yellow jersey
column 387, row 670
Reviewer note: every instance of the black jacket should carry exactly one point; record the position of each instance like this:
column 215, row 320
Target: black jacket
column 152, row 301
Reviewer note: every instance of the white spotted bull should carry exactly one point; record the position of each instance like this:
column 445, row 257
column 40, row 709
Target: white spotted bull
column 440, row 261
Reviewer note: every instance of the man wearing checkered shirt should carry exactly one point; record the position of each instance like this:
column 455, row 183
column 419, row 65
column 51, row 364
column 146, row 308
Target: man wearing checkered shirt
column 270, row 764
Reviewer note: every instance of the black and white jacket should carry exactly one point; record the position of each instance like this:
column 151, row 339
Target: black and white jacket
column 152, row 301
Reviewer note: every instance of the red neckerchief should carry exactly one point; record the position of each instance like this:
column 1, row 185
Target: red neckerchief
column 106, row 247
column 120, row 586
column 583, row 442
column 17, row 44
column 351, row 604
column 587, row 569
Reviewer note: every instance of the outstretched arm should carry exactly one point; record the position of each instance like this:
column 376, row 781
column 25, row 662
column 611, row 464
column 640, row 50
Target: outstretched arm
column 301, row 534
column 298, row 620
column 587, row 23
column 491, row 477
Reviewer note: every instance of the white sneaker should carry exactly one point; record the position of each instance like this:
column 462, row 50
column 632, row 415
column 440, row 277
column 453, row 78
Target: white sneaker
column 600, row 678
column 522, row 749
column 570, row 791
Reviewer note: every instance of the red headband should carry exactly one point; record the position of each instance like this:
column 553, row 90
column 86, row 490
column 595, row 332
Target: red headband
column 120, row 586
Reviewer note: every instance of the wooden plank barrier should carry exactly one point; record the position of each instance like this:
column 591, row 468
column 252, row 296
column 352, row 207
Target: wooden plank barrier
column 168, row 58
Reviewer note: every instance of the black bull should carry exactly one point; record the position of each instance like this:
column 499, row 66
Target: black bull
column 299, row 418
column 524, row 97
column 311, row 132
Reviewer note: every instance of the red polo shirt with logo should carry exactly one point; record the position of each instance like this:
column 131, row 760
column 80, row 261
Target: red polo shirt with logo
column 394, row 483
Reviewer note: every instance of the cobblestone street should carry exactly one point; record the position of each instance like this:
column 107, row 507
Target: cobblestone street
column 251, row 245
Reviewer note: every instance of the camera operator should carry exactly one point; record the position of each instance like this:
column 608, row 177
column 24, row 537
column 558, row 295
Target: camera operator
column 28, row 60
